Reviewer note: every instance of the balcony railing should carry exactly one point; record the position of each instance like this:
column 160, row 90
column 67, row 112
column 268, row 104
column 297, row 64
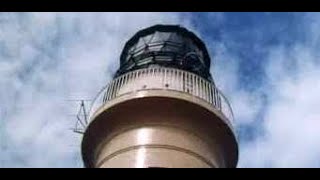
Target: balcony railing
column 169, row 79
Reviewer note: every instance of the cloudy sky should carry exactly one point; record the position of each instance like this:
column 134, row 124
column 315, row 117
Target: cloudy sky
column 267, row 64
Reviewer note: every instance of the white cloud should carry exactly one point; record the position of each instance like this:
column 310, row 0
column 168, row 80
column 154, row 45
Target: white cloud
column 291, row 124
column 285, row 109
column 292, row 118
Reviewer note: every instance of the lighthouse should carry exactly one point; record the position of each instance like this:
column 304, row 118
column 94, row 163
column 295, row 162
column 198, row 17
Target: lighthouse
column 162, row 109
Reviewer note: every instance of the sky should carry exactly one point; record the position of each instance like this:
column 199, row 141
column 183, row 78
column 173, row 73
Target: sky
column 267, row 65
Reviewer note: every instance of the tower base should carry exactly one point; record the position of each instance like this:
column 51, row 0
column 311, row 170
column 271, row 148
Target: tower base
column 157, row 128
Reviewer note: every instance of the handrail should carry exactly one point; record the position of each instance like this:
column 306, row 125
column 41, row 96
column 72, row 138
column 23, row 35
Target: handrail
column 165, row 79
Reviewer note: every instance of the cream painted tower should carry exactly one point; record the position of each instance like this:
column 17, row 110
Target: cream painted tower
column 162, row 109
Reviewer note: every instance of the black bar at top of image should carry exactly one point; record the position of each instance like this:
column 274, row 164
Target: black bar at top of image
column 159, row 5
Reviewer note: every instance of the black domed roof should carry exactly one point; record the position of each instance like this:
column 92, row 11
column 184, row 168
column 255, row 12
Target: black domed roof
column 169, row 29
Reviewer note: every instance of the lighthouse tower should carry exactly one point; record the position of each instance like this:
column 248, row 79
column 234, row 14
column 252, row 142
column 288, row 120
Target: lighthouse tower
column 162, row 109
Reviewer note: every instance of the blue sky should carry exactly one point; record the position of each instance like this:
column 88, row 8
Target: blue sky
column 267, row 64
